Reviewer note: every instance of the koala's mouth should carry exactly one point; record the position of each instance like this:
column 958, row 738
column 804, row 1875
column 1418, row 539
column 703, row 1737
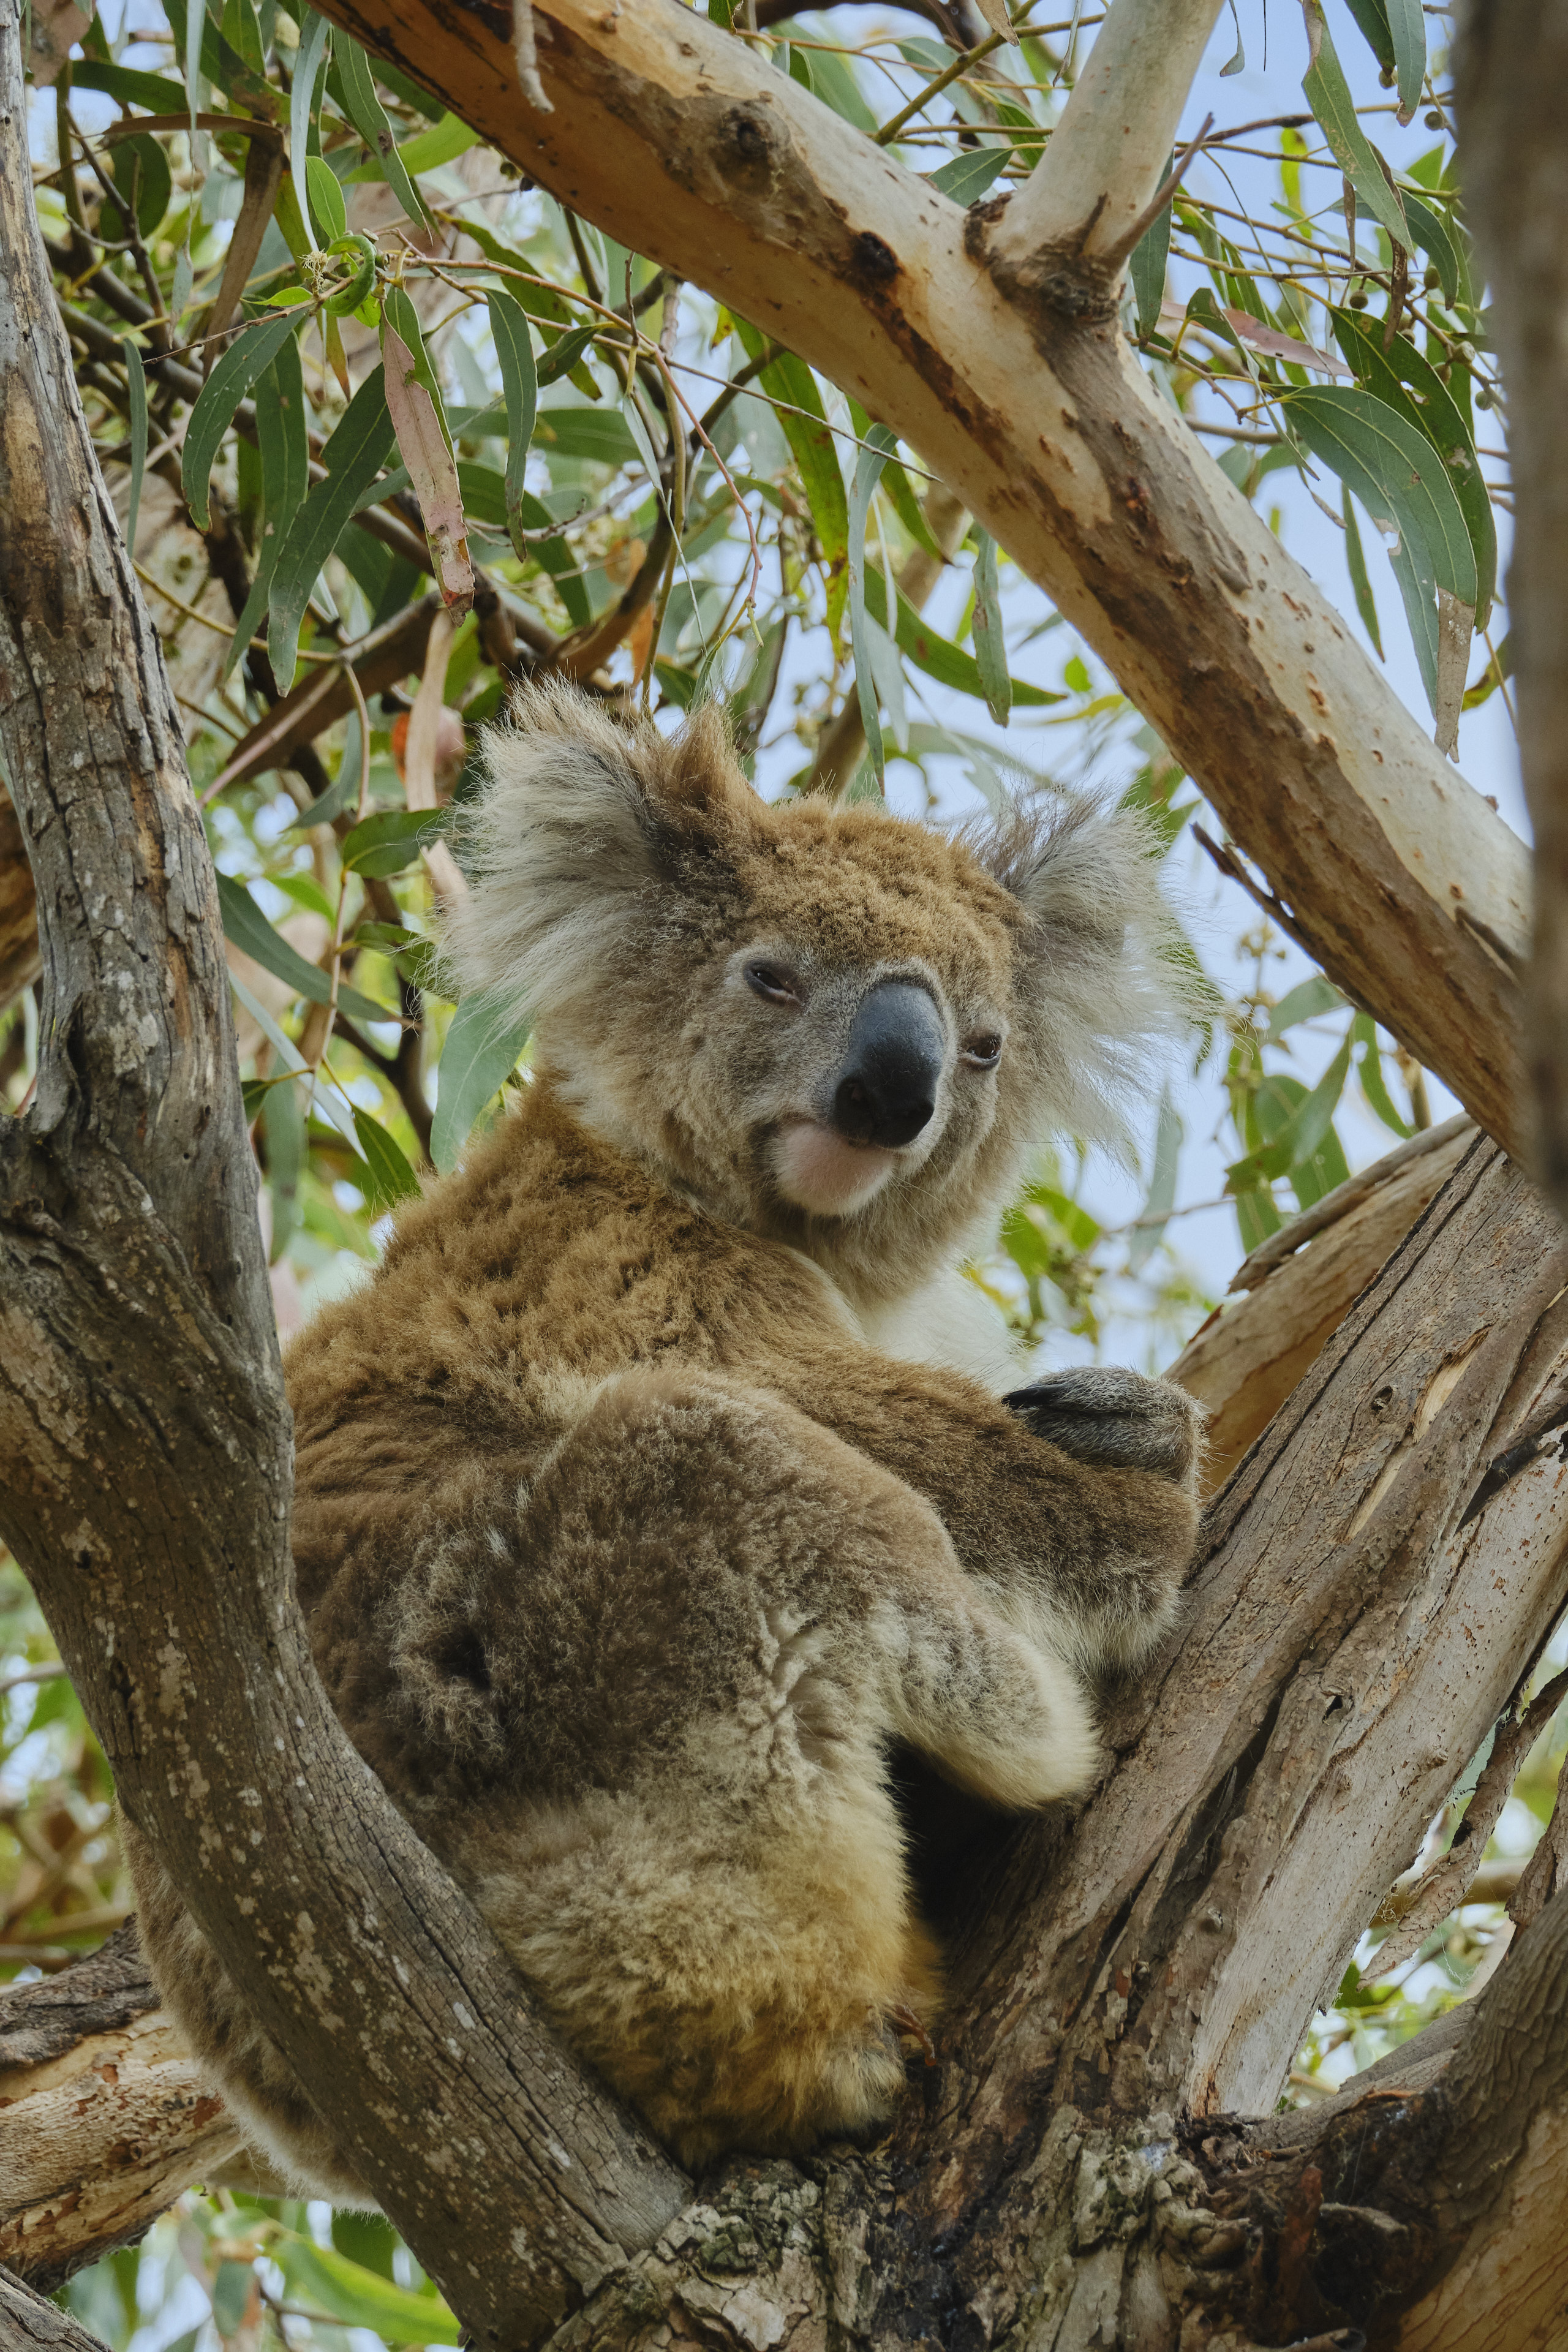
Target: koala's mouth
column 824, row 1172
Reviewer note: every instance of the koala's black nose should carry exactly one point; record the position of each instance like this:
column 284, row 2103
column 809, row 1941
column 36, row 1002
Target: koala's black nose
column 886, row 1088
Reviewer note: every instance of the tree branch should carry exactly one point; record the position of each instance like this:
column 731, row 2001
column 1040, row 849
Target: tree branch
column 139, row 1390
column 1082, row 208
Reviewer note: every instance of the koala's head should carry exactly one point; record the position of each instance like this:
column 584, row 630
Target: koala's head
column 830, row 1024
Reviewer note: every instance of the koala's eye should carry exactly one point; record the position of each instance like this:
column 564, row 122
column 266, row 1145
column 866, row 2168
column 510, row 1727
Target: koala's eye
column 983, row 1052
column 767, row 980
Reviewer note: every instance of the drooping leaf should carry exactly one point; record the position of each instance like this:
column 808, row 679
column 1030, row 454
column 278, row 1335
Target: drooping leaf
column 284, row 445
column 314, row 35
column 1300, row 1134
column 1306, row 1001
column 878, row 447
column 365, row 111
column 1432, row 234
column 1369, row 1068
column 1356, row 562
column 125, row 84
column 142, row 176
column 1410, row 383
column 393, row 1177
column 136, row 386
column 599, row 435
column 901, row 490
column 990, row 646
column 941, row 659
column 443, row 142
column 1394, row 471
column 1371, row 16
column 520, row 382
column 248, row 927
column 327, row 209
column 791, row 386
column 1161, row 1196
column 419, row 420
column 1407, row 27
column 353, row 458
column 252, row 351
column 564, row 353
column 481, row 1052
column 1148, row 265
column 1328, row 95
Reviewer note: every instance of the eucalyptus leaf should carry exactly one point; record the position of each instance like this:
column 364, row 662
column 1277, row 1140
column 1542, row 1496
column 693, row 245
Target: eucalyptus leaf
column 252, row 351
column 480, row 1052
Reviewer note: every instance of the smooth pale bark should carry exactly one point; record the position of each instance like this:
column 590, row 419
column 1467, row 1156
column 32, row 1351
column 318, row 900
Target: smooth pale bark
column 1511, row 71
column 145, row 1443
column 679, row 141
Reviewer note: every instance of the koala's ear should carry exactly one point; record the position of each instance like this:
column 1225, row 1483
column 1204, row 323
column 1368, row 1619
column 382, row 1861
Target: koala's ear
column 584, row 820
column 1098, row 952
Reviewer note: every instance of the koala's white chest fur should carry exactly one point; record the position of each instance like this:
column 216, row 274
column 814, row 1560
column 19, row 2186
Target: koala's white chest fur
column 948, row 1323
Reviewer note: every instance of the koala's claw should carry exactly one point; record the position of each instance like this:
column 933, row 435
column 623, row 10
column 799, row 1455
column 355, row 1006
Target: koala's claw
column 904, row 2019
column 1114, row 1419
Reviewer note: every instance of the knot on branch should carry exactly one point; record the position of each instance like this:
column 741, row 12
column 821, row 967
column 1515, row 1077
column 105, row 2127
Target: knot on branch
column 1060, row 284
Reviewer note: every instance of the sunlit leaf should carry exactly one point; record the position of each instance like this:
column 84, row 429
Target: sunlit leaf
column 384, row 844
column 392, row 1179
column 345, row 2291
column 968, row 176
column 1329, row 97
column 1306, row 1001
column 1369, row 1069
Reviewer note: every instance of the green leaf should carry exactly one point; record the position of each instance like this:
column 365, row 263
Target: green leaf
column 1411, row 385
column 1394, row 471
column 1408, row 24
column 1355, row 560
column 353, row 458
column 598, row 434
column 1147, row 266
column 480, row 1054
column 520, row 382
column 1372, row 18
column 880, row 445
column 990, row 646
column 357, row 2297
column 442, row 143
column 386, row 843
column 283, row 441
column 1256, row 1216
column 413, row 955
column 1156, row 1210
column 966, row 177
column 365, row 111
column 251, row 352
column 248, row 927
column 1306, row 1001
column 136, row 386
column 327, row 209
column 1369, row 1069
column 789, row 384
column 906, row 506
column 1330, row 101
column 231, row 2294
column 283, row 1108
column 393, row 1179
column 314, row 34
column 159, row 94
column 948, row 662
column 1436, row 241
column 143, row 177
column 1299, row 1137
column 565, row 352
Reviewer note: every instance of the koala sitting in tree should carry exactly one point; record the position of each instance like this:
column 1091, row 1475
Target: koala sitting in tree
column 662, row 1479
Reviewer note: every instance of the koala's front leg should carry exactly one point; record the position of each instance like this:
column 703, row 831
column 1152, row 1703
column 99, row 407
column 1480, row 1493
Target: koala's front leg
column 1115, row 1420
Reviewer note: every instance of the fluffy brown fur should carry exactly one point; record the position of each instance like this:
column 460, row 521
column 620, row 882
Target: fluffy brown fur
column 640, row 1509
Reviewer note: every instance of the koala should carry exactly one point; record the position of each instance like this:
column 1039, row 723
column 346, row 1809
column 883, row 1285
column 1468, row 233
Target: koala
column 668, row 1474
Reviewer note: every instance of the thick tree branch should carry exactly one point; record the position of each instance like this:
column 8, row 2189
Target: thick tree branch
column 1511, row 69
column 140, row 1392
column 670, row 134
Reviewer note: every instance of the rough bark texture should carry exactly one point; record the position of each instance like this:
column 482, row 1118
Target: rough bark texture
column 19, row 963
column 1511, row 70
column 1248, row 1357
column 672, row 136
column 146, row 1443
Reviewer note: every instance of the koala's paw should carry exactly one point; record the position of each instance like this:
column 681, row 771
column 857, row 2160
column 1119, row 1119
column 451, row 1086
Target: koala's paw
column 1115, row 1420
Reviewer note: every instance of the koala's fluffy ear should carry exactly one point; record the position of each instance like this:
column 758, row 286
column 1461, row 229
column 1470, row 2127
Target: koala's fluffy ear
column 1101, row 948
column 585, row 821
